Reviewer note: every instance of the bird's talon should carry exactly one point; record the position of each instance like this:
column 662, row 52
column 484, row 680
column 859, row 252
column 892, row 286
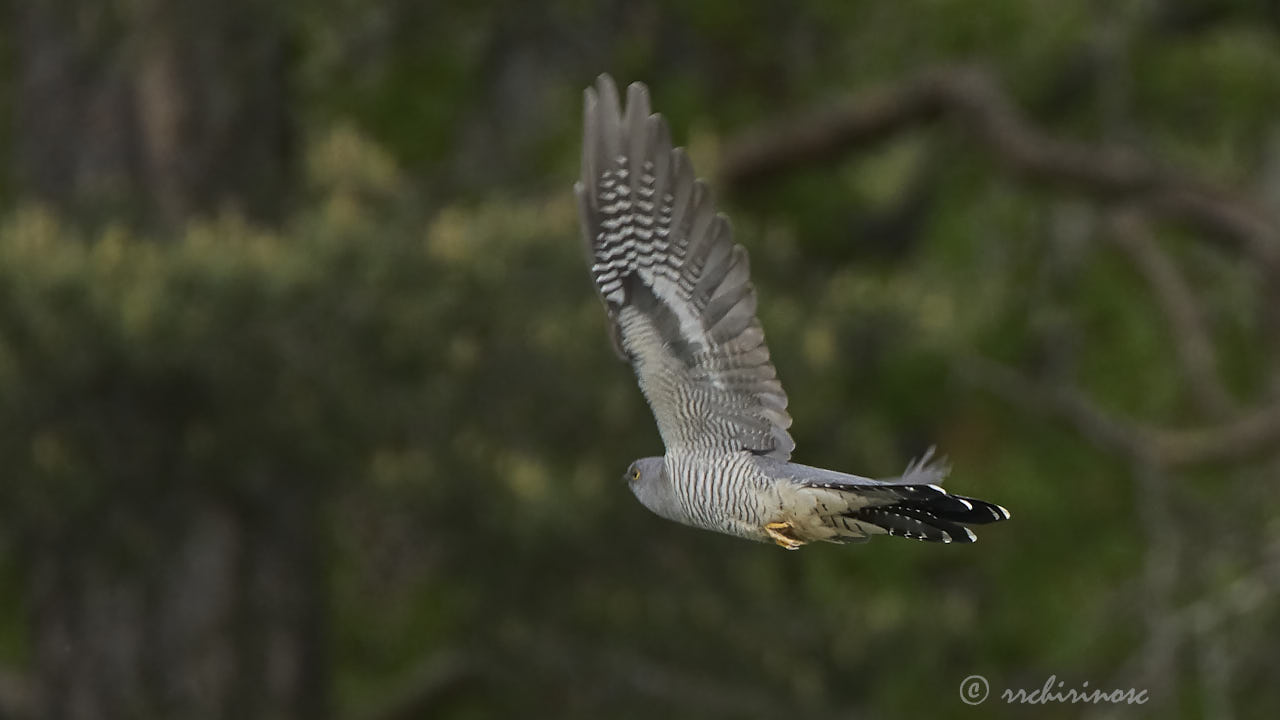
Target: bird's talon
column 782, row 534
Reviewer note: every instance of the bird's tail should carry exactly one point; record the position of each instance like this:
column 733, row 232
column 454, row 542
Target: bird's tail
column 910, row 506
column 927, row 512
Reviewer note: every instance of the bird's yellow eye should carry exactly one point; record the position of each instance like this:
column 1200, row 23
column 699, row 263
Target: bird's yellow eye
column 635, row 473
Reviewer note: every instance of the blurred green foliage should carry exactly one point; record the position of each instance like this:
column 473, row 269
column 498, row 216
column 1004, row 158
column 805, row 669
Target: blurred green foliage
column 416, row 355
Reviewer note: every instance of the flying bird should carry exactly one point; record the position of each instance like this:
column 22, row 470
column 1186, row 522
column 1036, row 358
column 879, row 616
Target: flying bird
column 682, row 311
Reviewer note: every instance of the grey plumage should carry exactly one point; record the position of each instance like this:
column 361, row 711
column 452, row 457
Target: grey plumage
column 682, row 311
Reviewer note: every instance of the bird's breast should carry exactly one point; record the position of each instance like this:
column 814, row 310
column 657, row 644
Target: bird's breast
column 726, row 492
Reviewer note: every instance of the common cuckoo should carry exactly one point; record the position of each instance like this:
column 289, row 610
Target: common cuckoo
column 682, row 311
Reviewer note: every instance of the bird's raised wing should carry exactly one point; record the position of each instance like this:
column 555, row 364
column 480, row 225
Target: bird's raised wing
column 675, row 285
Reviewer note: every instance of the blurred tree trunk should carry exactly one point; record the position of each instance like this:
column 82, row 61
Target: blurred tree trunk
column 158, row 111
column 225, row 622
column 153, row 109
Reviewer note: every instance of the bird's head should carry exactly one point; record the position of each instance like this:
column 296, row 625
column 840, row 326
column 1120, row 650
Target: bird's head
column 652, row 487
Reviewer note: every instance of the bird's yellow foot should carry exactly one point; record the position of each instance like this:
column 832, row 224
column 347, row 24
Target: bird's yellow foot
column 783, row 534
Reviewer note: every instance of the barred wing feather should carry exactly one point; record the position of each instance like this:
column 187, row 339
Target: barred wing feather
column 676, row 287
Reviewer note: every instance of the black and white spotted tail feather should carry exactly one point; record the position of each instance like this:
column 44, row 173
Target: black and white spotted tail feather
column 911, row 506
column 919, row 512
column 931, row 514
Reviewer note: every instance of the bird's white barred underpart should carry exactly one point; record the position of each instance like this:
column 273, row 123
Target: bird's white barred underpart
column 682, row 311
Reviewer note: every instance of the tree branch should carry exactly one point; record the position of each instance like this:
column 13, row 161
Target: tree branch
column 1192, row 345
column 1109, row 173
column 1234, row 439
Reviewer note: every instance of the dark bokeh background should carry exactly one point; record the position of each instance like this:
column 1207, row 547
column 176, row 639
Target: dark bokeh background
column 307, row 408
